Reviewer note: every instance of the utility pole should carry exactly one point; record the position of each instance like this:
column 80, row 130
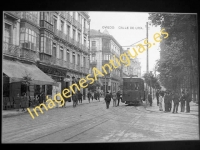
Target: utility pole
column 147, row 66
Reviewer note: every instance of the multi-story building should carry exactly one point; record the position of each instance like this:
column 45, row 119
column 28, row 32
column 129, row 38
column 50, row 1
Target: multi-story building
column 134, row 69
column 51, row 47
column 103, row 47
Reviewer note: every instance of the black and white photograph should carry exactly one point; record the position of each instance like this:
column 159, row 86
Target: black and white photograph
column 99, row 77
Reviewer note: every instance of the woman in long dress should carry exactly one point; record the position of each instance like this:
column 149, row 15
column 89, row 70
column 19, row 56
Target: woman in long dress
column 161, row 95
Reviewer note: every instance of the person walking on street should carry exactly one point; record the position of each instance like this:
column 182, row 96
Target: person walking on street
column 98, row 95
column 74, row 99
column 114, row 97
column 119, row 96
column 175, row 98
column 108, row 99
column 161, row 95
column 157, row 97
column 166, row 101
column 95, row 95
column 92, row 95
column 79, row 96
column 170, row 101
column 89, row 96
column 188, row 99
column 182, row 100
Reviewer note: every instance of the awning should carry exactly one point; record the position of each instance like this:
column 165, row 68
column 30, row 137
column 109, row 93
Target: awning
column 17, row 70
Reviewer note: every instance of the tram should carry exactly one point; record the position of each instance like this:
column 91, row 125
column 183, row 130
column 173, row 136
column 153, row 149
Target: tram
column 133, row 91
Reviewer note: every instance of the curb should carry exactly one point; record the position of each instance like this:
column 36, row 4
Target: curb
column 26, row 112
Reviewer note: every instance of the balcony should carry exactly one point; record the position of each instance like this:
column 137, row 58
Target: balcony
column 19, row 53
column 93, row 62
column 93, row 48
column 74, row 22
column 47, row 25
column 60, row 34
column 11, row 50
column 62, row 14
column 85, row 48
column 30, row 17
column 68, row 39
column 115, row 76
column 79, row 26
column 16, row 14
column 69, row 17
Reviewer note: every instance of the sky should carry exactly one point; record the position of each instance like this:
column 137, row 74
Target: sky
column 119, row 24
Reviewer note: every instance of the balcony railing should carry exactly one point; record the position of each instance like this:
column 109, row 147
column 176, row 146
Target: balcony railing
column 60, row 34
column 17, row 14
column 30, row 17
column 47, row 25
column 18, row 52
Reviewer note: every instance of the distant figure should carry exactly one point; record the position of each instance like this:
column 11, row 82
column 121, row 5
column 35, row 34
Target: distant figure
column 166, row 101
column 170, row 101
column 188, row 99
column 92, row 95
column 157, row 97
column 95, row 95
column 108, row 99
column 114, row 97
column 161, row 95
column 175, row 98
column 182, row 100
column 89, row 96
column 79, row 96
column 119, row 96
column 74, row 99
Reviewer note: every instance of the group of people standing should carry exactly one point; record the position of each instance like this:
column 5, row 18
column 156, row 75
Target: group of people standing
column 169, row 97
column 115, row 96
column 93, row 95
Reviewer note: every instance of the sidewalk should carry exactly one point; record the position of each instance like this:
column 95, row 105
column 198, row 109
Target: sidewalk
column 193, row 108
column 14, row 112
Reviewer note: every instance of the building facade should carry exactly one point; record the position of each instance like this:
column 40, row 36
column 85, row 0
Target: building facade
column 55, row 43
column 103, row 47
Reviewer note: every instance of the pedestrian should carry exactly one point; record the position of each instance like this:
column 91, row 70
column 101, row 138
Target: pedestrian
column 175, row 98
column 166, row 101
column 157, row 97
column 89, row 96
column 114, row 97
column 119, row 96
column 170, row 101
column 74, row 99
column 161, row 95
column 188, row 99
column 79, row 96
column 95, row 95
column 108, row 99
column 150, row 99
column 98, row 95
column 92, row 95
column 182, row 100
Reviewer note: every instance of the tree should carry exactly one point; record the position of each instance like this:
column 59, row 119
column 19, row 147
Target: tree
column 178, row 62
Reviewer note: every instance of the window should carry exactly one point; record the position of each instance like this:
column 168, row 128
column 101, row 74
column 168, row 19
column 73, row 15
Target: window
column 79, row 18
column 74, row 34
column 61, row 53
column 79, row 58
column 84, row 61
column 7, row 35
column 68, row 30
column 55, row 24
column 28, row 38
column 84, row 25
column 73, row 58
column 136, row 86
column 93, row 57
column 79, row 37
column 62, row 26
column 46, row 43
column 84, row 42
column 74, row 14
column 106, row 57
column 68, row 56
column 93, row 43
column 54, row 50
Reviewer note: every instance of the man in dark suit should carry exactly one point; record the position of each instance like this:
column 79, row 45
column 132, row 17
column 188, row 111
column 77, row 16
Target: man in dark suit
column 157, row 97
column 108, row 99
column 188, row 99
column 175, row 98
column 166, row 101
column 182, row 100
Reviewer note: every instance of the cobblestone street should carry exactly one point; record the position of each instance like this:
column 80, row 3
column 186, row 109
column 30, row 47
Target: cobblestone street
column 94, row 123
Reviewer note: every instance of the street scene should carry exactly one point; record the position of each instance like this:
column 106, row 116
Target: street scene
column 99, row 77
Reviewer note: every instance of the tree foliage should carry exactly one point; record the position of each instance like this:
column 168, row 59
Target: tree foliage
column 179, row 54
column 151, row 81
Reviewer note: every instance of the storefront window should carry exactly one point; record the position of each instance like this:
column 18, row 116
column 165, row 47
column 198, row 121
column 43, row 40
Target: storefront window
column 49, row 89
column 7, row 35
